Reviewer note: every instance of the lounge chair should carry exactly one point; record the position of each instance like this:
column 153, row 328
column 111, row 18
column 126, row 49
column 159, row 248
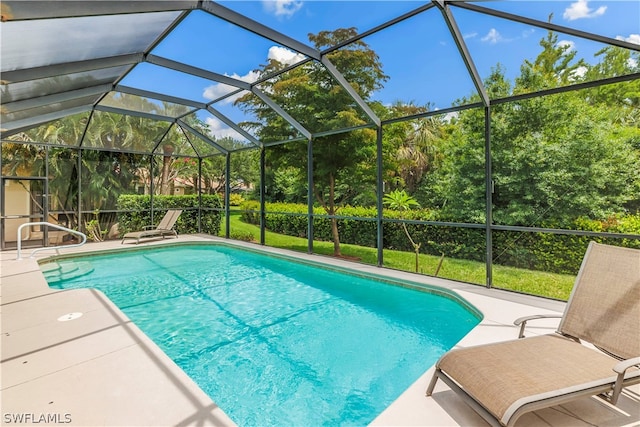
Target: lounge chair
column 504, row 380
column 164, row 228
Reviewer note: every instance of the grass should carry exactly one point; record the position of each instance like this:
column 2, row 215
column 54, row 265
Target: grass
column 551, row 285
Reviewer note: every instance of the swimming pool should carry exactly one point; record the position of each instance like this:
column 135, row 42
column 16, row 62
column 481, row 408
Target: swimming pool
column 273, row 341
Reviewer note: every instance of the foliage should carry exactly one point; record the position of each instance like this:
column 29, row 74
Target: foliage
column 401, row 201
column 135, row 212
column 285, row 183
column 546, row 284
column 94, row 230
column 250, row 211
column 557, row 253
column 235, row 199
column 105, row 176
column 554, row 158
column 411, row 148
column 317, row 101
column 245, row 236
column 20, row 159
column 568, row 160
column 244, row 169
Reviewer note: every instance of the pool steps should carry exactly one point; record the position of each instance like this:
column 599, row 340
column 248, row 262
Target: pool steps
column 55, row 272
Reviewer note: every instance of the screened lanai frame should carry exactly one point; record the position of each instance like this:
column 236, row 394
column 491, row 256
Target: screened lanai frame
column 25, row 110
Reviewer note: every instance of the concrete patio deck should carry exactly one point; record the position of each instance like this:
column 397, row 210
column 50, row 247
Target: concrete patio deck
column 99, row 369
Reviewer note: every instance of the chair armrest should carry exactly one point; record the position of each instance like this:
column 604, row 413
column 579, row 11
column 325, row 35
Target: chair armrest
column 621, row 368
column 148, row 227
column 522, row 321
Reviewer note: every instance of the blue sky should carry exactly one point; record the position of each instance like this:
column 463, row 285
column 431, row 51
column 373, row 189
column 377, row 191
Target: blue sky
column 418, row 55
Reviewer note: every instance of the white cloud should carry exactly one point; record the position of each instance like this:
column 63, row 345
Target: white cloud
column 581, row 9
column 284, row 55
column 219, row 89
column 569, row 45
column 469, row 35
column 219, row 130
column 492, row 37
column 528, row 33
column 278, row 53
column 633, row 38
column 215, row 91
column 282, row 8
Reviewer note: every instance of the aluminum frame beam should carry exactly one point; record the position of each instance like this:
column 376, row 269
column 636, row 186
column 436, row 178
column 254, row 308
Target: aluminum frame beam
column 54, row 98
column 198, row 72
column 203, row 137
column 570, row 88
column 233, row 126
column 545, row 25
column 259, row 29
column 462, row 49
column 293, row 122
column 55, row 70
column 126, row 112
column 350, row 90
column 11, row 128
column 286, row 141
column 380, row 27
column 13, row 10
column 159, row 96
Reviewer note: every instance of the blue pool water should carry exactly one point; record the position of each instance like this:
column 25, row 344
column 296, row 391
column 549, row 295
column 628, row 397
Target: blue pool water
column 275, row 342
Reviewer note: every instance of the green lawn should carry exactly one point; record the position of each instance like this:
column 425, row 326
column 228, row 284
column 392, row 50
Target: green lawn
column 532, row 282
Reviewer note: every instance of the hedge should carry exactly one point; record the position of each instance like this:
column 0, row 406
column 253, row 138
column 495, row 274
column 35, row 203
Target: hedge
column 557, row 253
column 136, row 212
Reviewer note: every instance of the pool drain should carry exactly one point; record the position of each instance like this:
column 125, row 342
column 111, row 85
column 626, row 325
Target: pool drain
column 69, row 316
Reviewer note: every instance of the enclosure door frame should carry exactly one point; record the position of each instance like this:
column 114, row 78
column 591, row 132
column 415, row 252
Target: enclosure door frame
column 17, row 209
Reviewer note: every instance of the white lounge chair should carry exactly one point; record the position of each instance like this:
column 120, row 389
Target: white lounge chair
column 164, row 228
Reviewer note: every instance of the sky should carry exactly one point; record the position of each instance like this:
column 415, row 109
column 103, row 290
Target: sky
column 418, row 54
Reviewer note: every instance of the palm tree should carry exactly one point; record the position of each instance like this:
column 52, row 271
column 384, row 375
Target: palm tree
column 401, row 201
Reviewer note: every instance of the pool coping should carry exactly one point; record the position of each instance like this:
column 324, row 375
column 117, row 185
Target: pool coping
column 102, row 370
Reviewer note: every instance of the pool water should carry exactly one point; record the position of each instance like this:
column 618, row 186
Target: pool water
column 275, row 342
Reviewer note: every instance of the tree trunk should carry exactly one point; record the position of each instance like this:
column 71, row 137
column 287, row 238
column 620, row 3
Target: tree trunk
column 334, row 221
column 416, row 246
column 164, row 183
column 168, row 150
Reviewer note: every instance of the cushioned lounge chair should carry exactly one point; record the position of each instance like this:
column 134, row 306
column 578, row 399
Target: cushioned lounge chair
column 504, row 380
column 164, row 228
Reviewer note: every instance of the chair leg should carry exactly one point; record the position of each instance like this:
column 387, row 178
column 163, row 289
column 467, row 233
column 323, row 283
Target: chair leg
column 433, row 382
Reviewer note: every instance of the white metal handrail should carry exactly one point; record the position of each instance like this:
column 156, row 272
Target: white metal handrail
column 59, row 227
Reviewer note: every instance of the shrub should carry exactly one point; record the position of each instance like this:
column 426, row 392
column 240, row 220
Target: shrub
column 235, row 199
column 136, row 212
column 557, row 253
column 250, row 212
column 245, row 236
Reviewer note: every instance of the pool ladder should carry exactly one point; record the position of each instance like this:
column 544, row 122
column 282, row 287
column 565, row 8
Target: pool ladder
column 57, row 248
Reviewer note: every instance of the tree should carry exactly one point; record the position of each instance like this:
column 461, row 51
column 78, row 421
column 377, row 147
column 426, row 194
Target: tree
column 555, row 158
column 343, row 163
column 621, row 101
column 555, row 66
column 615, row 62
column 410, row 147
column 243, row 163
column 399, row 200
